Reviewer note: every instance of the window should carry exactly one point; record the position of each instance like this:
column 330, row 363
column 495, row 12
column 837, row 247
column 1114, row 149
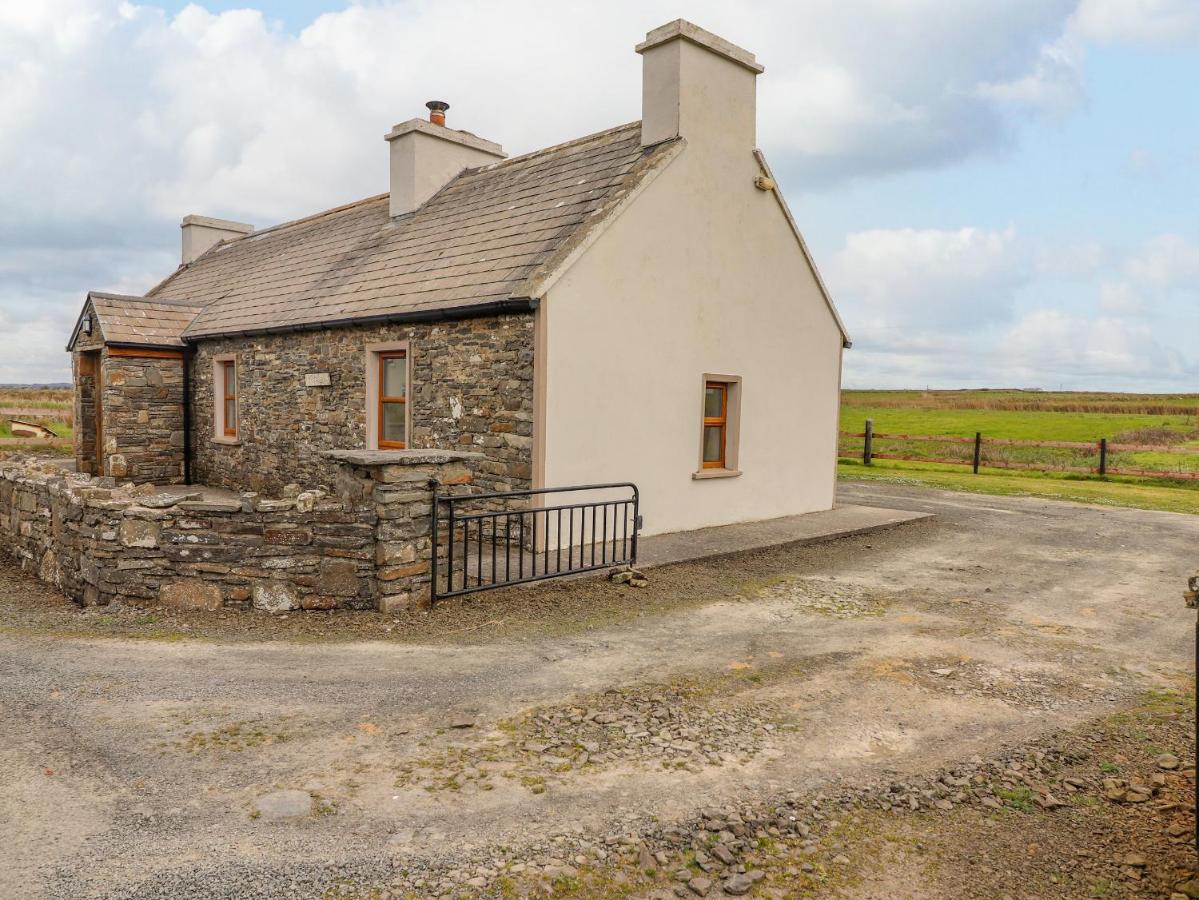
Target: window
column 716, row 424
column 393, row 400
column 228, row 383
column 720, row 427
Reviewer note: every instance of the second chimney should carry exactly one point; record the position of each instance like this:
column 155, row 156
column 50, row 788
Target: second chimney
column 697, row 85
column 201, row 233
column 426, row 156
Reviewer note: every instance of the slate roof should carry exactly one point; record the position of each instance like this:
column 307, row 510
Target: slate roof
column 482, row 239
column 140, row 320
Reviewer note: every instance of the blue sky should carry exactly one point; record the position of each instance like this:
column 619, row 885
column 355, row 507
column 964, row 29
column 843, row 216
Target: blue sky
column 1006, row 195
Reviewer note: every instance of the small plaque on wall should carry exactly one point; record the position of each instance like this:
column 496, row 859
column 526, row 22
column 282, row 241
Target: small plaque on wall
column 317, row 379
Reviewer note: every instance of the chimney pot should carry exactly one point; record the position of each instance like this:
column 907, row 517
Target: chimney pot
column 437, row 110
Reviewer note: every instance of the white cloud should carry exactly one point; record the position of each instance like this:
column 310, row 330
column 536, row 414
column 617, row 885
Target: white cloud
column 1053, row 86
column 917, row 281
column 1048, row 345
column 1122, row 299
column 1143, row 22
column 1167, row 261
column 1078, row 258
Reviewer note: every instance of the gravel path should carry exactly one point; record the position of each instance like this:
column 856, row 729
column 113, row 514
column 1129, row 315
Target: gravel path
column 137, row 747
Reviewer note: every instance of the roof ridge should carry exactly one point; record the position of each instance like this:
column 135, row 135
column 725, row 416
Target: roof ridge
column 141, row 298
column 503, row 163
column 309, row 218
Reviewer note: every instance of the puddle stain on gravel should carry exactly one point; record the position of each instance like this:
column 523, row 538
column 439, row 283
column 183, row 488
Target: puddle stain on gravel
column 1027, row 688
column 829, row 596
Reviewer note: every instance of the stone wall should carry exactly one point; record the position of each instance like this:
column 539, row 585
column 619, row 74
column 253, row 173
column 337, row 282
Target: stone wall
column 365, row 545
column 471, row 389
column 143, row 418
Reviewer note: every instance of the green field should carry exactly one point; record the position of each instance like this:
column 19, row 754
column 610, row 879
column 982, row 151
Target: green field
column 1165, row 421
column 50, row 407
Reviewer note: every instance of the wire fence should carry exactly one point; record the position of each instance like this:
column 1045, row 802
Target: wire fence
column 1100, row 457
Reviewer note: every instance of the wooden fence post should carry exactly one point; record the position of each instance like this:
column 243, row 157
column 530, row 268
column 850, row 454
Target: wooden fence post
column 1102, row 457
column 868, row 443
column 978, row 450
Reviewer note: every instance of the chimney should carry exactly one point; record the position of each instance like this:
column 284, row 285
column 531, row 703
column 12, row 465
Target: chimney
column 698, row 86
column 426, row 156
column 201, row 233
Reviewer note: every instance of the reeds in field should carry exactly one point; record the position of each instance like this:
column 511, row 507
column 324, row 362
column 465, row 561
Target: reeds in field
column 1031, row 401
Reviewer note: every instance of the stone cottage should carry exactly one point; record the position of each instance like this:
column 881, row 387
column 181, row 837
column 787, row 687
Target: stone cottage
column 634, row 305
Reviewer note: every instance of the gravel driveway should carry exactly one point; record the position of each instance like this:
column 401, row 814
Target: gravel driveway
column 220, row 767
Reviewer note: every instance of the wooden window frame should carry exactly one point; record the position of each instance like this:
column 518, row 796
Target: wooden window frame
column 228, row 369
column 383, row 357
column 721, row 422
column 729, row 422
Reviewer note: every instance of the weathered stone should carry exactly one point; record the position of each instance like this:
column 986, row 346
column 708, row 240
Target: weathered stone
column 140, row 533
column 338, row 577
column 394, row 603
column 213, row 506
column 288, row 536
column 275, row 596
column 166, row 499
column 191, row 593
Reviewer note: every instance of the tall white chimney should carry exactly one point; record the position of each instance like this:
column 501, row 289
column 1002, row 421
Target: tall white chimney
column 200, row 233
column 697, row 85
column 426, row 156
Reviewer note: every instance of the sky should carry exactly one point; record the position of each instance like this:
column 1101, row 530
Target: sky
column 997, row 192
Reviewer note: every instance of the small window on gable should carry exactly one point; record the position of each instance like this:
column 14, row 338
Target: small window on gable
column 393, row 400
column 719, row 426
column 228, row 395
column 716, row 424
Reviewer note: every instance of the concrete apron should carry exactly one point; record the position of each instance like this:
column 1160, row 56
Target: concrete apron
column 658, row 550
column 705, row 543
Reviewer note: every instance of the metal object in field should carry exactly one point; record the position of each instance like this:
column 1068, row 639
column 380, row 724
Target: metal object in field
column 497, row 539
column 24, row 429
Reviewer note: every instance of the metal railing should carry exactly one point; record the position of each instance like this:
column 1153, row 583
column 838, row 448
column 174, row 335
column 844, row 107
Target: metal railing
column 526, row 539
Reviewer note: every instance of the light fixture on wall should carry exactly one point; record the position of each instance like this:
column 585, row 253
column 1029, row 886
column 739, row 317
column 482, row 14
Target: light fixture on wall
column 86, row 325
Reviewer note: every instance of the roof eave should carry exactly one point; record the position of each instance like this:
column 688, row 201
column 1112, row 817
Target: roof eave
column 509, row 306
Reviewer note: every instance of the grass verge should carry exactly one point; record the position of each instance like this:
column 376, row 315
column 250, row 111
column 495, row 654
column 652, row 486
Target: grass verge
column 1110, row 492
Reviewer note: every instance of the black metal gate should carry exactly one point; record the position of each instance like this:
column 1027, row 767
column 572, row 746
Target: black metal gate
column 514, row 537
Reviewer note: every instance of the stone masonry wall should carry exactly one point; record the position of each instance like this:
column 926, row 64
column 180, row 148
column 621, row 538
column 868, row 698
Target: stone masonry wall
column 471, row 389
column 143, row 418
column 366, row 546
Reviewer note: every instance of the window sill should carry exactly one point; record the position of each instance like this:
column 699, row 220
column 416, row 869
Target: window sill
column 703, row 474
column 227, row 441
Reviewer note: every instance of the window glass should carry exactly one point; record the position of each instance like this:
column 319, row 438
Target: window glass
column 713, row 439
column 393, row 423
column 395, row 376
column 230, row 380
column 713, row 402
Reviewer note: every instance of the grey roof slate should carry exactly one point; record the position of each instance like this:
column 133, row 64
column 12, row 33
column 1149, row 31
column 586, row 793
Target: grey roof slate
column 140, row 320
column 482, row 238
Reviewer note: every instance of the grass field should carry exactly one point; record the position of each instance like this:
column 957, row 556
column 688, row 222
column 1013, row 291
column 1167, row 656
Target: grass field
column 1166, row 421
column 45, row 406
